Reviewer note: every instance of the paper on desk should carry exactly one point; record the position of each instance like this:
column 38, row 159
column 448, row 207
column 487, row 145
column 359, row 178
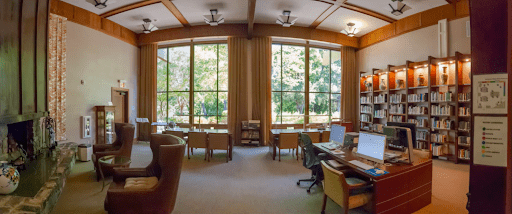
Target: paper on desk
column 337, row 152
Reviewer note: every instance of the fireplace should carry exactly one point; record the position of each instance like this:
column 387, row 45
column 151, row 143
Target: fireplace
column 20, row 140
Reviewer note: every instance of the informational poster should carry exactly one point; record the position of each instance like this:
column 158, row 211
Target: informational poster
column 490, row 94
column 490, row 141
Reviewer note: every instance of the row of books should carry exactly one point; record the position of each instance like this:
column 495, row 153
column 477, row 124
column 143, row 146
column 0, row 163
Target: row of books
column 397, row 109
column 437, row 96
column 422, row 135
column 464, row 153
column 464, row 125
column 439, row 138
column 417, row 97
column 437, row 150
column 380, row 113
column 251, row 134
column 382, row 98
column 442, row 123
column 442, row 110
column 464, row 140
column 366, row 100
column 365, row 118
column 418, row 110
column 464, row 111
column 396, row 118
column 464, row 97
column 421, row 145
column 366, row 109
column 419, row 122
column 397, row 98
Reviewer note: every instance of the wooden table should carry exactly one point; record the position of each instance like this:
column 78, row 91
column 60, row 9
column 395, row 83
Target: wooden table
column 405, row 189
column 186, row 130
column 110, row 162
column 275, row 137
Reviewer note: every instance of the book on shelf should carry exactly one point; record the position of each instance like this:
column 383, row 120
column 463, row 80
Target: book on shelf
column 419, row 122
column 396, row 118
column 414, row 98
column 365, row 118
column 381, row 98
column 366, row 109
column 464, row 125
column 417, row 110
column 397, row 109
column 422, row 135
column 464, row 153
column 446, row 110
column 437, row 150
column 380, row 113
column 464, row 111
column 421, row 145
column 397, row 98
column 442, row 123
column 464, row 97
column 437, row 96
column 466, row 140
column 439, row 138
column 366, row 100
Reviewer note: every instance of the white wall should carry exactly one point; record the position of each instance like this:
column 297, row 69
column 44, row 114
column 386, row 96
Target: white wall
column 414, row 46
column 100, row 60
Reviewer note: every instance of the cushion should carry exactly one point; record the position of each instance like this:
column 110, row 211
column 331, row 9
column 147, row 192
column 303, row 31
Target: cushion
column 359, row 200
column 140, row 183
column 354, row 181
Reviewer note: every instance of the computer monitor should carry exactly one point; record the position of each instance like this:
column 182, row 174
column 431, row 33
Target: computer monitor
column 371, row 146
column 337, row 134
column 402, row 136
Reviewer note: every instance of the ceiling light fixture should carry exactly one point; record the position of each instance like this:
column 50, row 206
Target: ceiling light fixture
column 286, row 20
column 398, row 8
column 100, row 4
column 214, row 18
column 351, row 30
column 148, row 27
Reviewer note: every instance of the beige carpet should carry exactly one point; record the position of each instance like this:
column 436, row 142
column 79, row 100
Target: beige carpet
column 251, row 183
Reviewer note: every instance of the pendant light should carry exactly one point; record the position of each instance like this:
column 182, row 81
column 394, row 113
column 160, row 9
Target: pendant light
column 350, row 30
column 148, row 26
column 286, row 20
column 397, row 8
column 214, row 18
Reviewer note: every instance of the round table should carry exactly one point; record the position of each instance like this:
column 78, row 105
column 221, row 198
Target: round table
column 109, row 162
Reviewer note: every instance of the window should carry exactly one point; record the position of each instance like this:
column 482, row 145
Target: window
column 291, row 89
column 210, row 84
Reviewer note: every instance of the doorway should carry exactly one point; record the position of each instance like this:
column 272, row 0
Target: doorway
column 120, row 99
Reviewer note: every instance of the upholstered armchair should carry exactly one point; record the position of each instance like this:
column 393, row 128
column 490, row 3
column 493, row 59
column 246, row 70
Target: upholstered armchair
column 116, row 145
column 168, row 152
column 125, row 133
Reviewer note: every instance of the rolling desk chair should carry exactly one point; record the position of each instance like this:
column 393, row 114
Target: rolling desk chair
column 312, row 162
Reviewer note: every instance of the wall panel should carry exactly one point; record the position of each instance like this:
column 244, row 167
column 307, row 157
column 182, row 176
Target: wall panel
column 28, row 54
column 41, row 52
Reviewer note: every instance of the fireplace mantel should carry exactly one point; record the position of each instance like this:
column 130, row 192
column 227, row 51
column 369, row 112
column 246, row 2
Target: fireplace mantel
column 9, row 119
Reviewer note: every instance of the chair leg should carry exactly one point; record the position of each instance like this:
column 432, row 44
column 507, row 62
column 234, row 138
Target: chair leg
column 279, row 154
column 297, row 153
column 192, row 150
column 206, row 154
column 302, row 153
column 188, row 152
column 324, row 203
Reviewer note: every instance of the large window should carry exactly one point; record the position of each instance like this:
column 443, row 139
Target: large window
column 209, row 89
column 291, row 89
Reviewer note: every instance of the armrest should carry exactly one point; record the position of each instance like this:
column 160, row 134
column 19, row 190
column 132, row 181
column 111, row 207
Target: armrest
column 357, row 186
column 120, row 174
column 101, row 147
column 102, row 154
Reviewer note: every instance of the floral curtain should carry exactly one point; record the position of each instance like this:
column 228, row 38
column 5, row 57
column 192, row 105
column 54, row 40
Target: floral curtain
column 57, row 74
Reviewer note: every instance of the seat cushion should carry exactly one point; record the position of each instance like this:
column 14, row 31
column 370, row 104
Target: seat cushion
column 361, row 190
column 354, row 181
column 140, row 183
column 359, row 200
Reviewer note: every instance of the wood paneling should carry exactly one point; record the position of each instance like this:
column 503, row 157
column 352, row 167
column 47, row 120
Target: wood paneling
column 378, row 35
column 408, row 23
column 10, row 55
column 41, row 53
column 28, row 54
column 89, row 19
column 462, row 8
column 432, row 16
column 129, row 7
column 304, row 33
column 239, row 30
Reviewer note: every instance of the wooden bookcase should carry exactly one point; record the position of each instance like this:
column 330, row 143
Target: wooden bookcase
column 435, row 94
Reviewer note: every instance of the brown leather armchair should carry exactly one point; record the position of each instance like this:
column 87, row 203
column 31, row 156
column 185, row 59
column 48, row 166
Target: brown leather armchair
column 124, row 140
column 168, row 152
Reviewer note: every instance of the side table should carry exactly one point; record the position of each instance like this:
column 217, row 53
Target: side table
column 109, row 162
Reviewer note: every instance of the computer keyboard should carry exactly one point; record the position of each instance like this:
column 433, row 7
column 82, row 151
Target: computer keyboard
column 361, row 164
column 389, row 155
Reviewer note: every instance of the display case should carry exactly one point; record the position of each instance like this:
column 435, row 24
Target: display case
column 105, row 133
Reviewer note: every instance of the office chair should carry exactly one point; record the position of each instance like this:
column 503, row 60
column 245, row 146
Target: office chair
column 312, row 162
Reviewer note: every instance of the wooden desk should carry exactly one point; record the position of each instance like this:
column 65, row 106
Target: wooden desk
column 405, row 189
column 186, row 130
column 275, row 137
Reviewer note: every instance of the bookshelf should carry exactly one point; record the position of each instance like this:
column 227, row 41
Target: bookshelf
column 434, row 94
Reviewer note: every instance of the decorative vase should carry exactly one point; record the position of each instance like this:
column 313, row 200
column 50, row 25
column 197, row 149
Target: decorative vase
column 9, row 178
column 444, row 77
column 399, row 84
column 421, row 80
column 382, row 85
column 368, row 85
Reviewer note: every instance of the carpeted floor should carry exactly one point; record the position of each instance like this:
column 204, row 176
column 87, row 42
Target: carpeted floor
column 251, row 183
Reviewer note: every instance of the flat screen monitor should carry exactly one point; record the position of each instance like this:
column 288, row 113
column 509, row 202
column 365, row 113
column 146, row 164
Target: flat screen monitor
column 402, row 136
column 371, row 146
column 337, row 134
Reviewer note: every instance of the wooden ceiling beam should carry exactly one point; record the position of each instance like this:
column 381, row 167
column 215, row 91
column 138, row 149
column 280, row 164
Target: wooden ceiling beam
column 175, row 12
column 129, row 7
column 324, row 16
column 250, row 18
column 348, row 6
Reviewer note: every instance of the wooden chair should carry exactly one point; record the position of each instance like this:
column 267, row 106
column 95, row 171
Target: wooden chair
column 315, row 138
column 197, row 140
column 325, row 136
column 348, row 192
column 218, row 141
column 179, row 134
column 184, row 125
column 288, row 141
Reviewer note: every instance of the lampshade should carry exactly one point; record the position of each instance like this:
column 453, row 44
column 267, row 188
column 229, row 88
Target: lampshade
column 213, row 19
column 100, row 4
column 286, row 20
column 350, row 30
column 397, row 8
column 148, row 26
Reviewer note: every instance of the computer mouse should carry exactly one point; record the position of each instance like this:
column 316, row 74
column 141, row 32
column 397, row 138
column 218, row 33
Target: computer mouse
column 378, row 171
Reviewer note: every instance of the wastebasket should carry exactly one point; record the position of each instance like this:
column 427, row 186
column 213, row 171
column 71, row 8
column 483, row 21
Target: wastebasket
column 84, row 152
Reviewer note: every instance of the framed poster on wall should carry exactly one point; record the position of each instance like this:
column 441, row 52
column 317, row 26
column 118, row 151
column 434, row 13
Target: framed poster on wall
column 86, row 126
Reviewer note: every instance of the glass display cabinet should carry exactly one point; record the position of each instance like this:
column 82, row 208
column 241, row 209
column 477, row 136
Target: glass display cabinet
column 105, row 124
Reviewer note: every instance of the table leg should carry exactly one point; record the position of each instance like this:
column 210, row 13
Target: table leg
column 230, row 148
column 102, row 177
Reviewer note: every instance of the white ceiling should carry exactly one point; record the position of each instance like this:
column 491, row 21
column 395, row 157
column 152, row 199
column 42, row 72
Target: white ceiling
column 267, row 11
column 307, row 11
column 132, row 19
column 339, row 19
column 233, row 11
column 380, row 6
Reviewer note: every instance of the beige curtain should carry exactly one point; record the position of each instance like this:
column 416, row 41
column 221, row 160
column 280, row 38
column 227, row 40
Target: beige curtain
column 261, row 74
column 57, row 74
column 237, row 93
column 147, row 89
column 349, row 85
